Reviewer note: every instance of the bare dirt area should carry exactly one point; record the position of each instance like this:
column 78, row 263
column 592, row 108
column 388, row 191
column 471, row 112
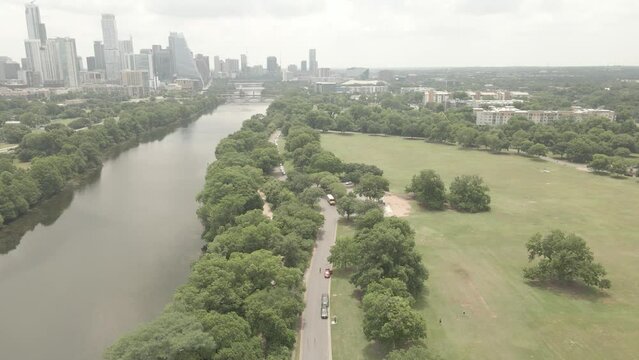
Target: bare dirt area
column 266, row 209
column 396, row 205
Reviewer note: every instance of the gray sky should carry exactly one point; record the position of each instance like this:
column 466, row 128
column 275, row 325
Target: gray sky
column 372, row 33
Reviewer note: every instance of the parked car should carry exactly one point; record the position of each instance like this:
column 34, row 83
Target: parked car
column 325, row 299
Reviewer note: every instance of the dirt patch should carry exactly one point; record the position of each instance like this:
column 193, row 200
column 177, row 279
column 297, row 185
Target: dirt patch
column 266, row 209
column 396, row 205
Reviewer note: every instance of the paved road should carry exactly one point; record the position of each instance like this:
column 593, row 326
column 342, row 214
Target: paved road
column 315, row 333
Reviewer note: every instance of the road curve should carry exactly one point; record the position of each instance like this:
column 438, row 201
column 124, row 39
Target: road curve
column 315, row 332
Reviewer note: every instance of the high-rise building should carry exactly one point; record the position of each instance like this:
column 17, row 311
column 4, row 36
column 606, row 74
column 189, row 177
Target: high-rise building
column 143, row 62
column 91, row 63
column 68, row 69
column 35, row 28
column 162, row 63
column 126, row 49
column 303, row 66
column 182, row 57
column 217, row 64
column 292, row 68
column 312, row 61
column 243, row 63
column 203, row 67
column 271, row 64
column 231, row 66
column 8, row 69
column 98, row 52
column 112, row 60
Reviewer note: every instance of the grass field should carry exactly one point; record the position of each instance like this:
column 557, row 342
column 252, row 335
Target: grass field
column 475, row 260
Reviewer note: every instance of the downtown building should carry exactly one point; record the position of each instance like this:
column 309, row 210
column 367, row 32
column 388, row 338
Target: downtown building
column 182, row 60
column 49, row 62
column 112, row 59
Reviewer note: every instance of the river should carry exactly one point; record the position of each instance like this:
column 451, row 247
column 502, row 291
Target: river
column 96, row 262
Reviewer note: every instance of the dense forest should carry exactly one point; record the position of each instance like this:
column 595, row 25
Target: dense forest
column 55, row 153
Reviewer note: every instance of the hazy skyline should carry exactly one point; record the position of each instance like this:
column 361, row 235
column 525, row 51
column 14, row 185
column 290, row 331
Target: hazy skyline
column 374, row 33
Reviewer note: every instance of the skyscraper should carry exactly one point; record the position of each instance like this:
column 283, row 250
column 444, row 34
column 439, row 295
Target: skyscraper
column 91, row 63
column 67, row 67
column 126, row 49
column 182, row 57
column 98, row 52
column 35, row 27
column 112, row 59
column 312, row 61
column 303, row 66
column 271, row 64
column 162, row 63
column 244, row 63
column 203, row 67
column 217, row 64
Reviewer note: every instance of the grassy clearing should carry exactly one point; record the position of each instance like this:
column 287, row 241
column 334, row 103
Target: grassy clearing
column 475, row 260
column 349, row 341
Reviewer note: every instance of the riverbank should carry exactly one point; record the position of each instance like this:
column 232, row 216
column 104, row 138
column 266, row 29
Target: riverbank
column 111, row 253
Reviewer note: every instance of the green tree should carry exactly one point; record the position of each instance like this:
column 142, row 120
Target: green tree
column 619, row 166
column 372, row 186
column 467, row 137
column 600, row 163
column 563, row 258
column 537, row 150
column 429, row 189
column 47, row 175
column 390, row 320
column 347, row 205
column 172, row 336
column 468, row 193
column 369, row 219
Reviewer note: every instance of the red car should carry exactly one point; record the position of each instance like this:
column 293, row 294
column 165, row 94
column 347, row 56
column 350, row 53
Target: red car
column 328, row 273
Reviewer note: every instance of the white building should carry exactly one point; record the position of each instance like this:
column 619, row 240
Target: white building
column 364, row 86
column 501, row 116
column 112, row 60
column 437, row 97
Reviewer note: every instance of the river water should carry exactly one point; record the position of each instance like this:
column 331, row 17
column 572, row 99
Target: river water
column 92, row 264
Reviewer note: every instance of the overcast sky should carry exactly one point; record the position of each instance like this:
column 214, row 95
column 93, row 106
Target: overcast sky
column 370, row 33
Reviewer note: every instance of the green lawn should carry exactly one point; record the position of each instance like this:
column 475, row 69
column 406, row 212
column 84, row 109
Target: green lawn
column 475, row 260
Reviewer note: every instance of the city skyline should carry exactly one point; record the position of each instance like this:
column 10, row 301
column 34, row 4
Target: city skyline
column 463, row 33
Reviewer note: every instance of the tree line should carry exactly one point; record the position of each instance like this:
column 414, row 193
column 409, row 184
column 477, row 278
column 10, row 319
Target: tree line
column 57, row 154
column 569, row 139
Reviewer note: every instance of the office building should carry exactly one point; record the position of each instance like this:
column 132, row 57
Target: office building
column 91, row 63
column 162, row 63
column 35, row 28
column 243, row 63
column 231, row 66
column 363, row 87
column 312, row 61
column 144, row 62
column 203, row 67
column 136, row 82
column 292, row 68
column 112, row 60
column 8, row 69
column 217, row 64
column 126, row 49
column 323, row 72
column 65, row 54
column 303, row 66
column 182, row 58
column 271, row 64
column 98, row 53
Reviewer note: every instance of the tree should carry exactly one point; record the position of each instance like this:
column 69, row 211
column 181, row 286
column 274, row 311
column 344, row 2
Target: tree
column 467, row 137
column 347, row 205
column 622, row 152
column 369, row 219
column 469, row 194
column 390, row 320
column 47, row 175
column 600, row 163
column 518, row 139
column 429, row 189
column 325, row 161
column 311, row 195
column 372, row 186
column 386, row 250
column 172, row 336
column 619, row 166
column 563, row 258
column 537, row 150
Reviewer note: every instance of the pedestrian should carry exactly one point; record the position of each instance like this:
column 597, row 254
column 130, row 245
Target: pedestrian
column 440, row 321
column 320, row 269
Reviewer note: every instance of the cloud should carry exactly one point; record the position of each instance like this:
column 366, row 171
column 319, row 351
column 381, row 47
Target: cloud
column 235, row 8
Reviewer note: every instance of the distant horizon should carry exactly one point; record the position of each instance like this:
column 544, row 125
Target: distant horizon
column 375, row 34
